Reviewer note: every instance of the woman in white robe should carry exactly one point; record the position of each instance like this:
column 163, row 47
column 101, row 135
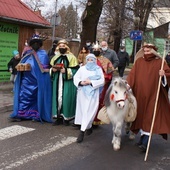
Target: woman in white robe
column 88, row 79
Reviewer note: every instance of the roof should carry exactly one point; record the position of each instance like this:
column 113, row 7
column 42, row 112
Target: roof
column 17, row 11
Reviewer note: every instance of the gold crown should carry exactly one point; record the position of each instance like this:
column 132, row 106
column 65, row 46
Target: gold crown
column 63, row 41
column 96, row 46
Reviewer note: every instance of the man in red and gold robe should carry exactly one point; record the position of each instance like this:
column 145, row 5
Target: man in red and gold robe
column 108, row 69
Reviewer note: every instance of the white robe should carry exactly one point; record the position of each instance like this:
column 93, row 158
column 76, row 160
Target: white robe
column 86, row 106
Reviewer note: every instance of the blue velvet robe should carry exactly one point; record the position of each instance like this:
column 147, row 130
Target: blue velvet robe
column 32, row 90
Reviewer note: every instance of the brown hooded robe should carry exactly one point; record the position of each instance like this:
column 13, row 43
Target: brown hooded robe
column 143, row 79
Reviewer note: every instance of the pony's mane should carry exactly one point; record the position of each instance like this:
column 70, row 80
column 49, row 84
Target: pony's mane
column 118, row 82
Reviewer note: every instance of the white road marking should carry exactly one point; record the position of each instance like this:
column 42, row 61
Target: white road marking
column 12, row 131
column 46, row 150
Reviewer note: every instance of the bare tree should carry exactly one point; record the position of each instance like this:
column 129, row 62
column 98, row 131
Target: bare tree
column 115, row 22
column 71, row 22
column 126, row 15
column 34, row 4
column 68, row 26
column 116, row 33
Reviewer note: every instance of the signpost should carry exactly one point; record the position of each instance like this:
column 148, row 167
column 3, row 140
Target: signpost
column 136, row 35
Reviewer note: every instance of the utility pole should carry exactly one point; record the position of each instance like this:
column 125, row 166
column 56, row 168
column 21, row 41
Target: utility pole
column 54, row 24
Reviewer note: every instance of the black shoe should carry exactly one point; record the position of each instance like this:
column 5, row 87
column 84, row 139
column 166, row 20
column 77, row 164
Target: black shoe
column 80, row 137
column 95, row 126
column 13, row 119
column 59, row 121
column 143, row 148
column 66, row 122
column 89, row 131
column 140, row 141
column 144, row 144
column 76, row 126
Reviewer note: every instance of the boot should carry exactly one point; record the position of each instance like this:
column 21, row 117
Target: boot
column 66, row 122
column 58, row 121
column 89, row 131
column 140, row 141
column 144, row 144
column 80, row 137
column 76, row 126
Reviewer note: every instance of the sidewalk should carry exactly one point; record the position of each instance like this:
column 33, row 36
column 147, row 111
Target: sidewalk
column 6, row 96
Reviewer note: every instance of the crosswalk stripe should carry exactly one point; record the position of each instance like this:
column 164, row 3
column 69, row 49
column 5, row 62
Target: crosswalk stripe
column 46, row 150
column 12, row 131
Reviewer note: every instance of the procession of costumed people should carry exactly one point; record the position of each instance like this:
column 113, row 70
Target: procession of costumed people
column 33, row 101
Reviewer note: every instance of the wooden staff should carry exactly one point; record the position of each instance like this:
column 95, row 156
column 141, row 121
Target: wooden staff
column 155, row 109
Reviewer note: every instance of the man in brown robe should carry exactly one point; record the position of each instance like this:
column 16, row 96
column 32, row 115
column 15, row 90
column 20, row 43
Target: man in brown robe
column 143, row 79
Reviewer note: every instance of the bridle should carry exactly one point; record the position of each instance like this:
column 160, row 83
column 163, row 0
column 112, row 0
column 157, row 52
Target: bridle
column 120, row 100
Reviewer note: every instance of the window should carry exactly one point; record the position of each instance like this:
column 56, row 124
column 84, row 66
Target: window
column 167, row 45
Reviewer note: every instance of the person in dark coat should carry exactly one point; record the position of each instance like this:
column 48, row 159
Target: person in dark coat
column 167, row 58
column 89, row 46
column 51, row 52
column 109, row 53
column 12, row 64
column 123, row 57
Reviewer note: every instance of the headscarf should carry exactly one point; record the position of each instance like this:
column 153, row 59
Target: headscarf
column 92, row 66
column 153, row 48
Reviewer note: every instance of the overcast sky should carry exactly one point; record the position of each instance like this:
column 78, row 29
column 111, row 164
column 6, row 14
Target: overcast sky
column 49, row 5
column 60, row 3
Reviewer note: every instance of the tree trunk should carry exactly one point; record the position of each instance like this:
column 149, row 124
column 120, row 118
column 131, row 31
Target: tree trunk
column 116, row 33
column 142, row 10
column 90, row 18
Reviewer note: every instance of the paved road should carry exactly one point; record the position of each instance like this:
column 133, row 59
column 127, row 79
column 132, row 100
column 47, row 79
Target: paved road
column 31, row 145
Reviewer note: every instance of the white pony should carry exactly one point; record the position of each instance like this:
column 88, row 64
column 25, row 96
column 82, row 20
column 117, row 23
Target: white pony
column 120, row 106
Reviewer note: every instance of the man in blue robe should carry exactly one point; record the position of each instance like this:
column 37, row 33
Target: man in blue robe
column 32, row 98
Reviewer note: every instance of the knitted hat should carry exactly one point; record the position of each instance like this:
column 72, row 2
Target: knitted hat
column 15, row 52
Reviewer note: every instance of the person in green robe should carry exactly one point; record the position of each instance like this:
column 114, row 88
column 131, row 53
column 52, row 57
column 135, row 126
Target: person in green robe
column 64, row 66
